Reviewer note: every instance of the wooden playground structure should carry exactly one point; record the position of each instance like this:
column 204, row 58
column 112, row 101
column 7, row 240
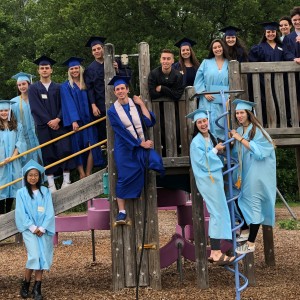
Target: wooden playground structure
column 126, row 241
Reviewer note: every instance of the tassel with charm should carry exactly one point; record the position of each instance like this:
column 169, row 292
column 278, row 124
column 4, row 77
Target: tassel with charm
column 238, row 183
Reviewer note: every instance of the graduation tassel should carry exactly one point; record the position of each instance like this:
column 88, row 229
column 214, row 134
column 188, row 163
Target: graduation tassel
column 211, row 178
column 238, row 183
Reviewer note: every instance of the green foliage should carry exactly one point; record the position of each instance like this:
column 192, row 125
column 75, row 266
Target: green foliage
column 60, row 29
column 287, row 174
column 289, row 224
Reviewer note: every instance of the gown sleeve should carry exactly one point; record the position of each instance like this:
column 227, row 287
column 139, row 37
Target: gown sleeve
column 49, row 220
column 69, row 109
column 22, row 216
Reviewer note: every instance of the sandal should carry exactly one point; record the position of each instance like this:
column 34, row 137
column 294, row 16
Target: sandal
column 244, row 249
column 222, row 261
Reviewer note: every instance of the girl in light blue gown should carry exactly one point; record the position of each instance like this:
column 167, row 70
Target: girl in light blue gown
column 207, row 169
column 12, row 143
column 35, row 219
column 256, row 175
column 212, row 76
column 22, row 112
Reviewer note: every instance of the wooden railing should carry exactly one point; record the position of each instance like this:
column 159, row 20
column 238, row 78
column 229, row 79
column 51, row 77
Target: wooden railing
column 275, row 89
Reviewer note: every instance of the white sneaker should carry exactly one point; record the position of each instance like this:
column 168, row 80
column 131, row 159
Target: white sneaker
column 245, row 248
column 52, row 188
column 65, row 184
column 242, row 237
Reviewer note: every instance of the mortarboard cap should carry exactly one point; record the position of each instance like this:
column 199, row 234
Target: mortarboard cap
column 270, row 25
column 243, row 104
column 6, row 104
column 198, row 114
column 116, row 80
column 185, row 42
column 23, row 77
column 230, row 30
column 32, row 165
column 73, row 61
column 44, row 60
column 95, row 40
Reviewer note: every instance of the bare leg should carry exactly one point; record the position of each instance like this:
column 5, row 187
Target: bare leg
column 121, row 204
column 38, row 275
column 28, row 273
column 81, row 172
column 89, row 164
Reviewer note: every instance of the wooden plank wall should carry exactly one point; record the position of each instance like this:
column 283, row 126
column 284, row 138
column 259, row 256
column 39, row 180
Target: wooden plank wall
column 280, row 87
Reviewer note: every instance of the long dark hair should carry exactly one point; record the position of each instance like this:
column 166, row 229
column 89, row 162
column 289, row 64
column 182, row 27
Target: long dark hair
column 193, row 59
column 276, row 40
column 28, row 185
column 211, row 53
column 196, row 131
column 238, row 49
column 255, row 124
column 12, row 124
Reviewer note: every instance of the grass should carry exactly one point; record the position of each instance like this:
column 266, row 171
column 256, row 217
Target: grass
column 289, row 224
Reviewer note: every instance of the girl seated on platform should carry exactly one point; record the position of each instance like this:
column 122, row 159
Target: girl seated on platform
column 207, row 169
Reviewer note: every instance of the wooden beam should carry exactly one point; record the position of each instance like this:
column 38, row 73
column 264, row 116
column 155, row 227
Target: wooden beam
column 64, row 199
column 269, row 67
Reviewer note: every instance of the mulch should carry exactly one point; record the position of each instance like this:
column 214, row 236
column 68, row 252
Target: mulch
column 75, row 276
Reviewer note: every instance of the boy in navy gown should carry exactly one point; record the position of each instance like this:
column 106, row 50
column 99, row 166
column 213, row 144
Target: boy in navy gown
column 45, row 104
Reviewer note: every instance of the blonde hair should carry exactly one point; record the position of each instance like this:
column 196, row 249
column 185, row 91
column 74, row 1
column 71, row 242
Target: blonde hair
column 81, row 80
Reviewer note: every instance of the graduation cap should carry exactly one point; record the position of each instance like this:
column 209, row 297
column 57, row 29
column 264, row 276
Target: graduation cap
column 44, row 60
column 116, row 80
column 243, row 104
column 198, row 114
column 185, row 42
column 6, row 104
column 230, row 30
column 23, row 77
column 32, row 164
column 270, row 25
column 73, row 61
column 95, row 40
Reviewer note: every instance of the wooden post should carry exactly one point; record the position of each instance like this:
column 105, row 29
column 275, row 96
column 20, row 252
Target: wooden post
column 249, row 270
column 268, row 245
column 198, row 212
column 235, row 82
column 117, row 252
column 297, row 152
column 150, row 194
column 126, row 240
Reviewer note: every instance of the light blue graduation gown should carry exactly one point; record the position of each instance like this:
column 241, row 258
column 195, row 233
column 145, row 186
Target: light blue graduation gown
column 39, row 212
column 258, row 178
column 202, row 158
column 23, row 114
column 9, row 140
column 210, row 78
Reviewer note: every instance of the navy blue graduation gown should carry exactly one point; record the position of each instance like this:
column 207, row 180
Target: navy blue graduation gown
column 291, row 49
column 131, row 159
column 76, row 108
column 188, row 76
column 45, row 106
column 263, row 52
